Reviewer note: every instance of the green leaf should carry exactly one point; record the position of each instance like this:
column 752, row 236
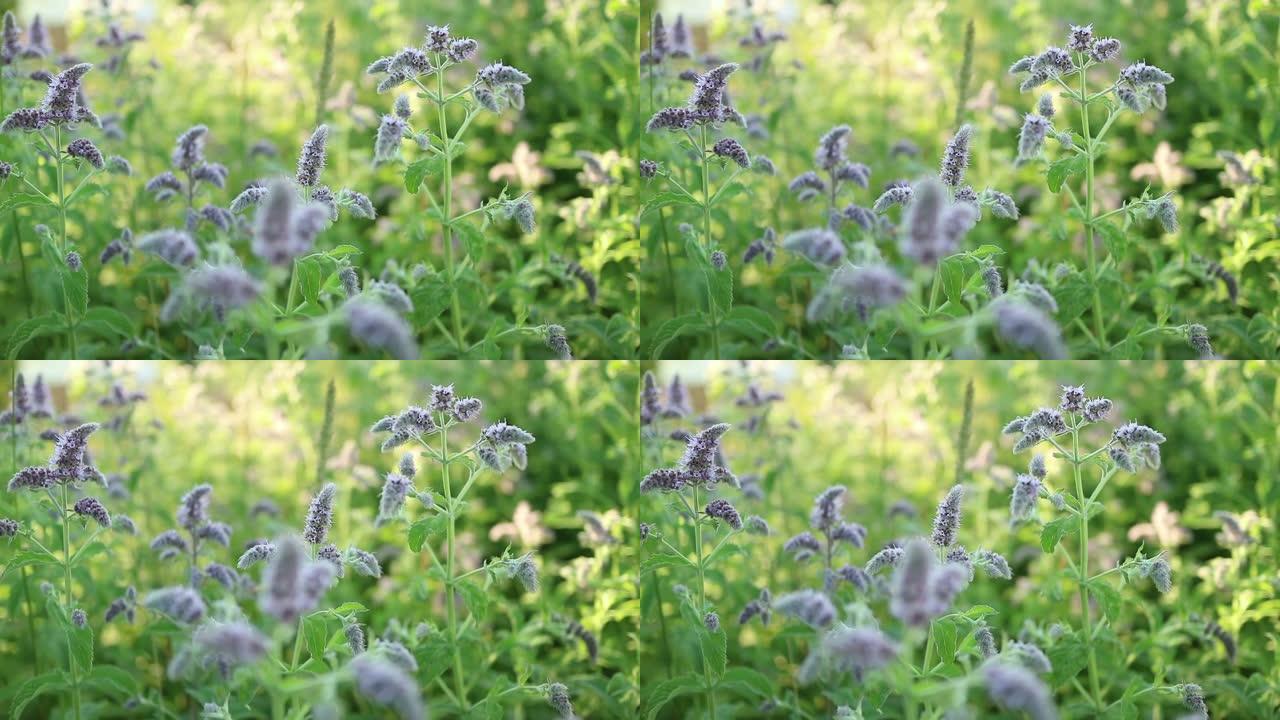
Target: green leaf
column 1114, row 237
column 76, row 286
column 749, row 321
column 746, row 681
column 342, row 251
column 1108, row 597
column 34, row 688
column 476, row 599
column 668, row 690
column 714, row 650
column 309, row 280
column 944, row 640
column 17, row 200
column 719, row 282
column 425, row 528
column 1060, row 170
column 79, row 640
column 472, row 239
column 1074, row 294
column 672, row 329
column 665, row 198
column 315, row 630
column 83, row 191
column 31, row 329
column 661, row 560
column 952, row 269
column 111, row 680
column 1055, row 530
column 350, row 607
column 108, row 322
column 988, row 250
column 1068, row 656
column 418, row 171
column 430, row 299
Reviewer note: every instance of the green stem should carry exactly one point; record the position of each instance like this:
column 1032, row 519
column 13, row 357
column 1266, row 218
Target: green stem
column 702, row 596
column 66, row 576
column 706, row 240
column 1091, row 251
column 447, row 220
column 62, row 242
column 1083, row 570
column 450, row 594
column 293, row 289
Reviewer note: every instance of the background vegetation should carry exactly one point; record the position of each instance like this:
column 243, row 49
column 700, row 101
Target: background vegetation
column 252, row 431
column 892, row 72
column 253, row 72
column 889, row 432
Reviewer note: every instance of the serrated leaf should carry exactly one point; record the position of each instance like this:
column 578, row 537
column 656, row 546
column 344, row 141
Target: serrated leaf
column 75, row 285
column 1060, row 170
column 672, row 329
column 746, row 681
column 749, row 321
column 34, row 688
column 714, row 650
column 668, row 690
column 472, row 239
column 1055, row 530
column 342, row 251
column 1073, row 294
column 1116, row 242
column 1108, row 598
column 944, row 640
column 952, row 270
column 17, row 200
column 108, row 322
column 31, row 329
column 419, row 170
column 661, row 560
column 315, row 631
column 423, row 529
column 308, row 270
column 476, row 599
column 665, row 198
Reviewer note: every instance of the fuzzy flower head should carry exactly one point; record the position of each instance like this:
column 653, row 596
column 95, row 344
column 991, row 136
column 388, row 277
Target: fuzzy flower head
column 946, row 522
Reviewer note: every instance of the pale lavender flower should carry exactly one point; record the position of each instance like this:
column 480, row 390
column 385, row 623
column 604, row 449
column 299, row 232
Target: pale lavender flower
column 374, row 324
column 808, row 606
column 84, row 149
column 858, row 650
column 384, row 683
column 721, row 509
column 320, row 515
column 558, row 698
column 175, row 247
column 180, row 603
column 946, row 522
column 1013, row 687
column 234, row 643
column 955, row 159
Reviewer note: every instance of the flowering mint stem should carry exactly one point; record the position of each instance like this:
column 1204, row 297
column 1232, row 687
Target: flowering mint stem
column 450, row 594
column 1091, row 252
column 706, row 240
column 447, row 220
column 702, row 594
column 1082, row 571
column 62, row 250
column 66, row 575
